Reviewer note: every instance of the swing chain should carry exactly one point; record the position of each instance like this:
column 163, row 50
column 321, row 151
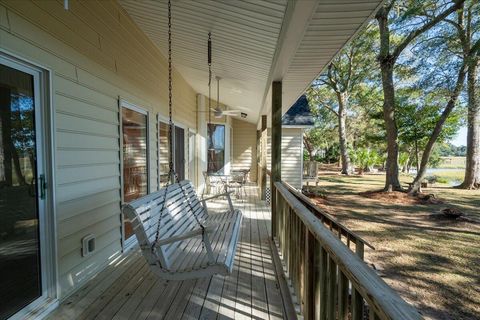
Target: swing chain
column 172, row 175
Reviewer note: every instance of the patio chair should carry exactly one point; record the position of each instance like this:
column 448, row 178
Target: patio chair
column 237, row 181
column 213, row 184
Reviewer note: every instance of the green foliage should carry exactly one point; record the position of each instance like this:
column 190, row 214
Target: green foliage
column 447, row 149
column 425, row 73
column 437, row 179
column 403, row 158
column 365, row 158
column 332, row 154
column 418, row 114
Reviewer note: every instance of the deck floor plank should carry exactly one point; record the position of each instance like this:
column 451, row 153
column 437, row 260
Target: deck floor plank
column 274, row 298
column 129, row 290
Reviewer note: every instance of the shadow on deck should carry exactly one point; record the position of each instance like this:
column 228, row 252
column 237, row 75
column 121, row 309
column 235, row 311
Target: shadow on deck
column 128, row 290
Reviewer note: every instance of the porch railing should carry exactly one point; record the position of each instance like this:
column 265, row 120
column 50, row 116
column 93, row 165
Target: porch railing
column 329, row 280
column 352, row 240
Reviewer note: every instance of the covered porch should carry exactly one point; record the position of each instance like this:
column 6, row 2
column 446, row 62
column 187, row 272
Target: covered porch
column 101, row 92
column 127, row 289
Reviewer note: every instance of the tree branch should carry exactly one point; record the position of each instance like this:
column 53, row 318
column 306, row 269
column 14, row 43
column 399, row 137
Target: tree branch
column 457, row 5
column 331, row 109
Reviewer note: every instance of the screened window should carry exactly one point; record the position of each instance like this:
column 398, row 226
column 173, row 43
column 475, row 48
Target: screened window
column 135, row 166
column 216, row 147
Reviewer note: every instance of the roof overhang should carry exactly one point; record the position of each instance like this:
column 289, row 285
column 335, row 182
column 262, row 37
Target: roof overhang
column 254, row 43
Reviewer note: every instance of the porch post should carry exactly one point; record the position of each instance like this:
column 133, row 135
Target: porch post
column 276, row 148
column 263, row 157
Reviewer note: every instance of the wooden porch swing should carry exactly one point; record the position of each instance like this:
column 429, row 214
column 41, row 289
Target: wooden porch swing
column 177, row 236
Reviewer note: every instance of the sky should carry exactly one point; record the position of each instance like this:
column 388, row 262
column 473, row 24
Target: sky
column 461, row 138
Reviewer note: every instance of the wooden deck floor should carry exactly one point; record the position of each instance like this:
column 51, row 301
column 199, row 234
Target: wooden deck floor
column 128, row 290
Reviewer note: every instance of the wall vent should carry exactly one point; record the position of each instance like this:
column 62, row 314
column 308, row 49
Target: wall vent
column 88, row 245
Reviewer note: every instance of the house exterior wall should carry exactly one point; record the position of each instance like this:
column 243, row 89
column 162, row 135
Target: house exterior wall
column 95, row 55
column 292, row 155
column 245, row 147
column 202, row 121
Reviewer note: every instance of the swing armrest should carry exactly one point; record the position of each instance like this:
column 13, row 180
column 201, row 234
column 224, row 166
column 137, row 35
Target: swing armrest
column 186, row 235
column 227, row 194
column 217, row 195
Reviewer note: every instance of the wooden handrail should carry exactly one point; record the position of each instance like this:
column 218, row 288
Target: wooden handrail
column 322, row 269
column 327, row 218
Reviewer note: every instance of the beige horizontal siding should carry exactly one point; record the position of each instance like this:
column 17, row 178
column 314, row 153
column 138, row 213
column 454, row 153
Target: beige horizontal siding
column 292, row 154
column 245, row 147
column 96, row 54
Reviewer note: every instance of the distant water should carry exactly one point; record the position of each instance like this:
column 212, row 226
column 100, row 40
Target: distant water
column 432, row 171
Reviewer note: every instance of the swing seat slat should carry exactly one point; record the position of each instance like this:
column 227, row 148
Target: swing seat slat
column 181, row 252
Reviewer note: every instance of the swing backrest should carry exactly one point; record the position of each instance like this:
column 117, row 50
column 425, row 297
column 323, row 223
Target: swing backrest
column 177, row 219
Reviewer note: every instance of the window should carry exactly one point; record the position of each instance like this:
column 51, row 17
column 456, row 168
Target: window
column 163, row 153
column 216, row 147
column 135, row 165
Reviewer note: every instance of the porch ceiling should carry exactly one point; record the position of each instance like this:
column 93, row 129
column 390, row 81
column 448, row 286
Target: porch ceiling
column 254, row 42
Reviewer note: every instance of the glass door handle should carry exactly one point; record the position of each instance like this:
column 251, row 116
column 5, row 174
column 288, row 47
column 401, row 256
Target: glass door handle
column 43, row 186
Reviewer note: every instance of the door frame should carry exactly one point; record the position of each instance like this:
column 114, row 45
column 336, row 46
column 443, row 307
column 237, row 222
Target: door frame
column 129, row 243
column 45, row 142
column 192, row 176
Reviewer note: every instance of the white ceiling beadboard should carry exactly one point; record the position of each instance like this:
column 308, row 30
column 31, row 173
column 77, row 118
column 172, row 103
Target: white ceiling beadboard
column 245, row 39
column 331, row 26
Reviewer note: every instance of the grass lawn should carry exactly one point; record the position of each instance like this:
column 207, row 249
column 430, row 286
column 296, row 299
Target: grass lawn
column 453, row 162
column 434, row 263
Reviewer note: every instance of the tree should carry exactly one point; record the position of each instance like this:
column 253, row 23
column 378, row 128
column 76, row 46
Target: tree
column 416, row 17
column 472, row 169
column 419, row 120
column 462, row 25
column 321, row 136
column 343, row 74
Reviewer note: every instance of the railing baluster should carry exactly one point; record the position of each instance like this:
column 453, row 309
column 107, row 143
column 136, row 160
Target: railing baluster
column 373, row 315
column 360, row 249
column 309, row 276
column 311, row 254
column 318, row 284
column 323, row 283
column 291, row 247
column 297, row 258
column 357, row 300
column 342, row 296
column 288, row 239
column 332, row 286
column 303, row 255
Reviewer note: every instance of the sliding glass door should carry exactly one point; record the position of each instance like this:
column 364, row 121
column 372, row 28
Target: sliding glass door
column 22, row 191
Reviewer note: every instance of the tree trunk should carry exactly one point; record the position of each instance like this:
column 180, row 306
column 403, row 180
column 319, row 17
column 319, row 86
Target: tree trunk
column 342, row 132
column 416, row 186
column 308, row 147
column 392, row 182
column 387, row 62
column 472, row 169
